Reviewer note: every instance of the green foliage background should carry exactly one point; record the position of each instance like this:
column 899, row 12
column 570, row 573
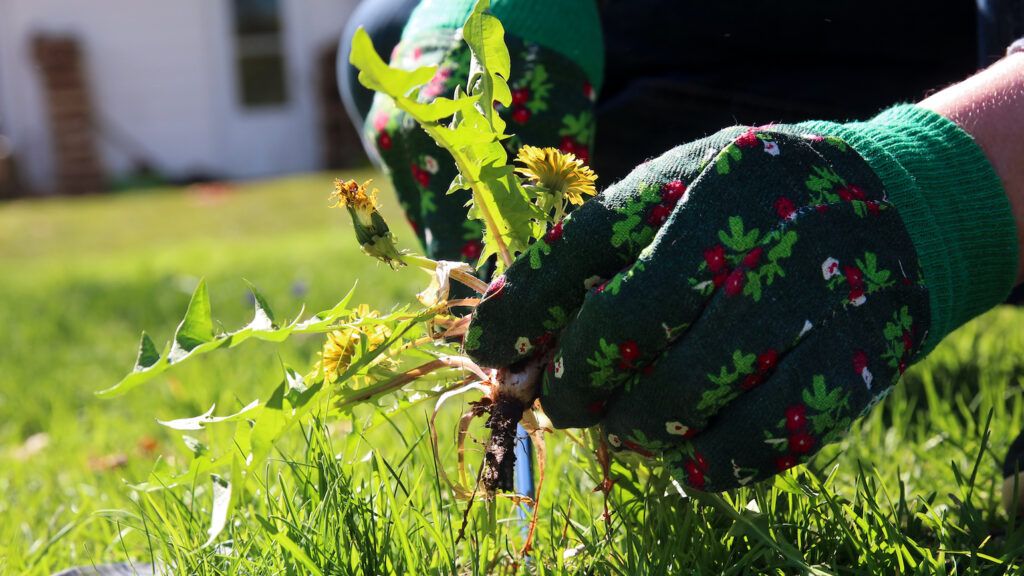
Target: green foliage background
column 912, row 490
column 82, row 277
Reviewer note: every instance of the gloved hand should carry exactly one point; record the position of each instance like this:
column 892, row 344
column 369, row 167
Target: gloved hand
column 555, row 74
column 735, row 304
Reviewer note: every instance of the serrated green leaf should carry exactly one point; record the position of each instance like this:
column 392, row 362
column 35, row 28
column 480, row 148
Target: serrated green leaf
column 376, row 75
column 263, row 316
column 196, row 327
column 148, row 354
column 474, row 138
column 491, row 64
column 197, row 422
column 439, row 108
column 458, row 183
column 318, row 323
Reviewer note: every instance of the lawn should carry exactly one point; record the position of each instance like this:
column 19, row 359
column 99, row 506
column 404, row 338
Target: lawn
column 913, row 489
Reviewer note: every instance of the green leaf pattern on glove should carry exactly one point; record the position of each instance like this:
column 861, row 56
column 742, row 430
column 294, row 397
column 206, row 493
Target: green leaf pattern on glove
column 734, row 305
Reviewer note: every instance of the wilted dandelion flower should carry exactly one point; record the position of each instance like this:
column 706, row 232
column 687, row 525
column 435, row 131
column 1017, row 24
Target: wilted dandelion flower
column 353, row 195
column 342, row 346
column 558, row 173
column 337, row 352
column 371, row 230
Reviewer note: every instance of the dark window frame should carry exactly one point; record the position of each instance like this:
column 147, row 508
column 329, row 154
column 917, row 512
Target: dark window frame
column 261, row 67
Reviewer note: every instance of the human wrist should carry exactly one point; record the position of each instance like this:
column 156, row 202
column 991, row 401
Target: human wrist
column 990, row 107
column 571, row 28
column 952, row 203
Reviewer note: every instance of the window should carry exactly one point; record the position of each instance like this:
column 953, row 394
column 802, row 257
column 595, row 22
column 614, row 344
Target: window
column 259, row 52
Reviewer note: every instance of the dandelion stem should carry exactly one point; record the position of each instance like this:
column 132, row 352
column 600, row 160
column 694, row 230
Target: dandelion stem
column 458, row 275
column 393, row 384
column 467, row 302
column 492, row 227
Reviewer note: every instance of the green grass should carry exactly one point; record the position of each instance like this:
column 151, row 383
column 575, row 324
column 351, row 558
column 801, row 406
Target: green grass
column 913, row 489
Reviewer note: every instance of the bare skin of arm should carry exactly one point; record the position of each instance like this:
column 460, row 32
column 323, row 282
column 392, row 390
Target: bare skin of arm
column 990, row 107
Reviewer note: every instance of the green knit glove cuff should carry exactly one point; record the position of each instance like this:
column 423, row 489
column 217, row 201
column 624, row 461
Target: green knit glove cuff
column 570, row 27
column 952, row 203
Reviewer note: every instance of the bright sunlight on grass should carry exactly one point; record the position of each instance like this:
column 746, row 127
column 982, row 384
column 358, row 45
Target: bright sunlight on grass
column 913, row 489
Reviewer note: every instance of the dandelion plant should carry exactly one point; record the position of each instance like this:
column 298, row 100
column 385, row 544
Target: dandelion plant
column 414, row 351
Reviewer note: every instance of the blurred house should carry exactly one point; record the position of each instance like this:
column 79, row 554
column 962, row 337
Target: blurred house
column 100, row 92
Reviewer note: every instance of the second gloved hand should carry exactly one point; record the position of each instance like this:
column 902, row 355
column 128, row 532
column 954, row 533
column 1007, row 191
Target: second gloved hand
column 731, row 306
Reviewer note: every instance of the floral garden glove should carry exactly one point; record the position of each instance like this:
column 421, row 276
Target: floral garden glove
column 735, row 304
column 555, row 72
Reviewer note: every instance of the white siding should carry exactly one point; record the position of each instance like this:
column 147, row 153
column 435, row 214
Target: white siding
column 162, row 74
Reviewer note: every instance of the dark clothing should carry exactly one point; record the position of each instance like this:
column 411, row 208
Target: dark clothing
column 676, row 71
column 691, row 68
column 686, row 69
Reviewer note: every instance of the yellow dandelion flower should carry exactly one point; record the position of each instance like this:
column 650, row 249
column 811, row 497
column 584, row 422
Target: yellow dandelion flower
column 559, row 173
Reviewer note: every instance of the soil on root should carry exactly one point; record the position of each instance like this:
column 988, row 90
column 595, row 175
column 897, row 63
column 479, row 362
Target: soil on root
column 500, row 457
